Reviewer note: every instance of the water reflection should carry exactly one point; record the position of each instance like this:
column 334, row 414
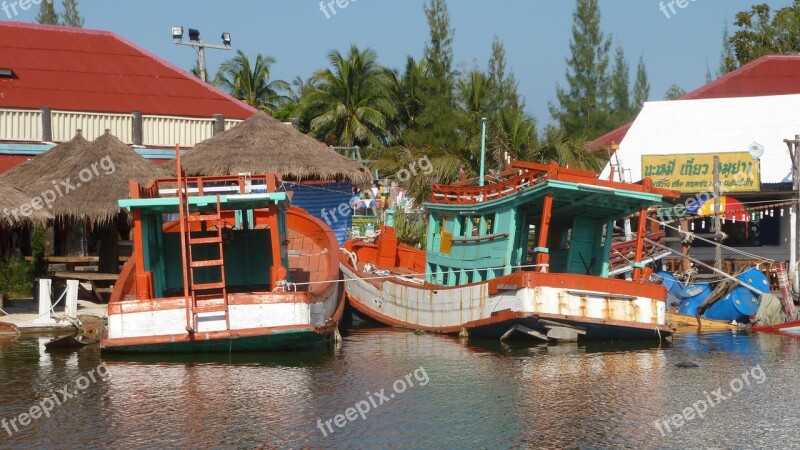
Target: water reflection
column 481, row 393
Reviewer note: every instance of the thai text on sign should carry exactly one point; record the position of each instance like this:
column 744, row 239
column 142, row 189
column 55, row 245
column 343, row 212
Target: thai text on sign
column 694, row 172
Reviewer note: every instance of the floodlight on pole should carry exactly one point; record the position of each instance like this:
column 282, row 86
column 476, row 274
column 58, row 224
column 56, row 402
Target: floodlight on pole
column 196, row 42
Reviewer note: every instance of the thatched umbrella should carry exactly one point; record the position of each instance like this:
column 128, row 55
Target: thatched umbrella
column 18, row 208
column 31, row 170
column 262, row 144
column 87, row 184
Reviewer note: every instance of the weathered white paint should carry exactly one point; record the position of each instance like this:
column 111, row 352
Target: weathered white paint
column 242, row 317
column 71, row 309
column 45, row 302
column 455, row 307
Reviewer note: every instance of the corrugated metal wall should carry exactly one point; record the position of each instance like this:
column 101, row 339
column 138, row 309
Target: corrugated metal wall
column 325, row 197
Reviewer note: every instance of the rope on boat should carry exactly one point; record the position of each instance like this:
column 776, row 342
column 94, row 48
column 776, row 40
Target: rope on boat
column 735, row 250
column 406, row 275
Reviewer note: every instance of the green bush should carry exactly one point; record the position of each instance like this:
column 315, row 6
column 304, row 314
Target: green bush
column 16, row 277
column 411, row 229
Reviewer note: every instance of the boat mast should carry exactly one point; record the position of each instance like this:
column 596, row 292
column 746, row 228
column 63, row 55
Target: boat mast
column 483, row 151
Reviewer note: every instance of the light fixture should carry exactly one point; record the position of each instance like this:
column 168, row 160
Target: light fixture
column 177, row 33
column 226, row 39
column 756, row 150
column 194, row 35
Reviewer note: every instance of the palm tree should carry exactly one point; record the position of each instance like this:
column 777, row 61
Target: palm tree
column 408, row 94
column 515, row 136
column 251, row 83
column 350, row 103
column 567, row 151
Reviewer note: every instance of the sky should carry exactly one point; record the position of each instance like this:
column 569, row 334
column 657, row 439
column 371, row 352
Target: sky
column 676, row 47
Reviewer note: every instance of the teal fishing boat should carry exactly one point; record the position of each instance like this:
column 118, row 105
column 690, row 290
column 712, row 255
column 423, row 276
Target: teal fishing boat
column 223, row 264
column 523, row 253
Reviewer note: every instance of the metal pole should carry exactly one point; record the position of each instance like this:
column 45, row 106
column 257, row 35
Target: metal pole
column 717, row 222
column 483, row 151
column 794, row 223
column 796, row 183
column 201, row 61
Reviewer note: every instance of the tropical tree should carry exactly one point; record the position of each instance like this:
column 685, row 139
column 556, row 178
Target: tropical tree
column 437, row 124
column 515, row 136
column 250, row 82
column 568, row 150
column 583, row 107
column 503, row 85
column 641, row 88
column 47, row 14
column 727, row 59
column 350, row 102
column 763, row 33
column 70, row 16
column 674, row 92
column 408, row 94
column 621, row 111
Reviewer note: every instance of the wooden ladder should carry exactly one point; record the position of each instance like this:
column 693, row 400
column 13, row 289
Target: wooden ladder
column 214, row 289
column 196, row 291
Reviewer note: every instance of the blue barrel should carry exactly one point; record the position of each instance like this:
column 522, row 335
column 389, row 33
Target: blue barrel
column 692, row 296
column 741, row 303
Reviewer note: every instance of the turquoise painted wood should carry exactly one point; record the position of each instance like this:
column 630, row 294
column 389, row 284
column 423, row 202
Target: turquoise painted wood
column 493, row 238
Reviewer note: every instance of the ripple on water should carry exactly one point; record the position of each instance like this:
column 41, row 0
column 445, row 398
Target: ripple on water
column 479, row 394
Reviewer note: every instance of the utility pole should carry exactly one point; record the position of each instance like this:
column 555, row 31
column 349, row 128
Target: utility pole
column 200, row 45
column 717, row 221
column 794, row 154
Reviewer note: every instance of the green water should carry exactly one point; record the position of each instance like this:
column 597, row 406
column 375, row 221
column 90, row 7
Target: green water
column 438, row 392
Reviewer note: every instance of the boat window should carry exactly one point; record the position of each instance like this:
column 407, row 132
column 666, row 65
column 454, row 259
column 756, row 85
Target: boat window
column 489, row 221
column 476, row 225
column 463, row 223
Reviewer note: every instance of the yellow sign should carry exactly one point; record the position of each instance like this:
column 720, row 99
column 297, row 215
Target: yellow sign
column 694, row 172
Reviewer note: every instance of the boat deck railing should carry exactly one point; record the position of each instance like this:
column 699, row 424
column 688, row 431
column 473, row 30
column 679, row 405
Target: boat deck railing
column 523, row 175
column 215, row 185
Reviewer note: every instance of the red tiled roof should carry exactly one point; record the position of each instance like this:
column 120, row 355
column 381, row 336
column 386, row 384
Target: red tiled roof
column 75, row 69
column 768, row 75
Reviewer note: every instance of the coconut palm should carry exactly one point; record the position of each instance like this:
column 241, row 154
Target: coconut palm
column 250, row 82
column 350, row 102
column 408, row 94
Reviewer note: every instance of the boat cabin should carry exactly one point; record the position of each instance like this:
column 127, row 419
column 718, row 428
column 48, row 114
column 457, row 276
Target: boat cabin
column 233, row 237
column 531, row 217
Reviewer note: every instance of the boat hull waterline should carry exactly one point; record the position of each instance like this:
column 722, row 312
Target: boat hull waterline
column 538, row 306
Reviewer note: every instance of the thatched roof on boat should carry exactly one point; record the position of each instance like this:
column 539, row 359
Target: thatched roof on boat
column 88, row 183
column 31, row 170
column 19, row 208
column 262, row 144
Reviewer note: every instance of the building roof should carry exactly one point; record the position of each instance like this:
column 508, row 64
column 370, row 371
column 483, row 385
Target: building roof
column 714, row 126
column 765, row 76
column 75, row 69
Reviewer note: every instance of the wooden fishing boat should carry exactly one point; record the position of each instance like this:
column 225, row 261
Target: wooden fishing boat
column 223, row 264
column 525, row 255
